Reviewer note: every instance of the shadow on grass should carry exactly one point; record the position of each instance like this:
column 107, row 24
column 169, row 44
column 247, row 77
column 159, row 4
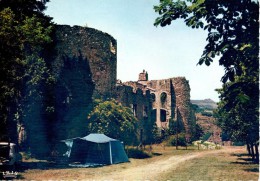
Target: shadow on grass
column 156, row 154
column 240, row 154
column 252, row 169
column 242, row 163
column 42, row 165
column 137, row 154
column 23, row 166
column 246, row 160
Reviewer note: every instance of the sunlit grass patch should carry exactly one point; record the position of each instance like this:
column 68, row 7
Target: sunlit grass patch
column 221, row 166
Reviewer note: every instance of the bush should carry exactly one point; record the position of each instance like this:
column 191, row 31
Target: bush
column 206, row 144
column 239, row 143
column 135, row 153
column 209, row 114
column 181, row 140
column 206, row 136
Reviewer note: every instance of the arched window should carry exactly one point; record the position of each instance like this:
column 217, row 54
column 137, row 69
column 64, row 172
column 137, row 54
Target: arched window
column 163, row 98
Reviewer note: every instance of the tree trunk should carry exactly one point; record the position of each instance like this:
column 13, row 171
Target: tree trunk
column 177, row 141
column 256, row 153
column 252, row 150
column 248, row 149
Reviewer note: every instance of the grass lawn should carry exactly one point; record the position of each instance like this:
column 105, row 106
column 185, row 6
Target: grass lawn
column 215, row 167
column 207, row 165
column 43, row 171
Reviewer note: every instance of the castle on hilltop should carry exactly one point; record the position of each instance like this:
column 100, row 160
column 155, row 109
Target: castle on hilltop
column 84, row 62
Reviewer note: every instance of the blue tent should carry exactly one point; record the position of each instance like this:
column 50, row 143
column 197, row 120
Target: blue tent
column 95, row 149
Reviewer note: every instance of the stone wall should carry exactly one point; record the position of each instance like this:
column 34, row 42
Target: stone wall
column 163, row 105
column 96, row 48
column 169, row 99
column 183, row 105
column 83, row 61
column 85, row 67
column 139, row 100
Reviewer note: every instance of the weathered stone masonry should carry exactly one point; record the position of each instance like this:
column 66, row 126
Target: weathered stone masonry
column 85, row 66
column 170, row 100
column 84, row 63
column 96, row 48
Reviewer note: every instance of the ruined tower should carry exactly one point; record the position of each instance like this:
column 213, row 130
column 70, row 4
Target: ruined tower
column 170, row 100
column 83, row 62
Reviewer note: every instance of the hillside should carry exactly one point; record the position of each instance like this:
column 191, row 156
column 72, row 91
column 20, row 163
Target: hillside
column 204, row 116
column 209, row 127
column 206, row 103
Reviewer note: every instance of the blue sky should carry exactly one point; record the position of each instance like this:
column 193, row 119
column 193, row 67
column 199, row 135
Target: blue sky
column 164, row 52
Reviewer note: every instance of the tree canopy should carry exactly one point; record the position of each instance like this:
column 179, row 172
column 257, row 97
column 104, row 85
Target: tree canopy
column 113, row 119
column 232, row 30
column 24, row 31
column 233, row 40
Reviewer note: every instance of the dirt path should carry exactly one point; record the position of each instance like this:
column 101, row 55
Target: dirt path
column 153, row 170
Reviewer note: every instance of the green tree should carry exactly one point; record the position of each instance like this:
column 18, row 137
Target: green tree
column 179, row 140
column 232, row 30
column 198, row 133
column 113, row 119
column 24, row 32
column 239, row 118
column 233, row 36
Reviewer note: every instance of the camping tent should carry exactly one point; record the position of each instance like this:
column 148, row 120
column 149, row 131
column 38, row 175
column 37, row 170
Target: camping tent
column 95, row 149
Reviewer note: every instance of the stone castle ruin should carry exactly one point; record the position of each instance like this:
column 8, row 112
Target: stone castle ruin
column 165, row 101
column 84, row 62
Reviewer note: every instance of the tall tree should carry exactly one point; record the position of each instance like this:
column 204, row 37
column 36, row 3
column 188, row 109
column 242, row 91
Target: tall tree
column 240, row 117
column 24, row 31
column 233, row 36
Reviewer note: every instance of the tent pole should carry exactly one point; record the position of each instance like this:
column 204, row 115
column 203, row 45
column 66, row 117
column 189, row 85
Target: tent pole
column 110, row 151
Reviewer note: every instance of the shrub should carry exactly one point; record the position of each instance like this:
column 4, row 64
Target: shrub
column 206, row 144
column 196, row 143
column 181, row 140
column 135, row 153
column 206, row 136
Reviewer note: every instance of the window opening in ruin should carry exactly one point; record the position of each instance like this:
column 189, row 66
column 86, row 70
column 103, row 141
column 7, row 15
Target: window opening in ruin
column 163, row 115
column 163, row 97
